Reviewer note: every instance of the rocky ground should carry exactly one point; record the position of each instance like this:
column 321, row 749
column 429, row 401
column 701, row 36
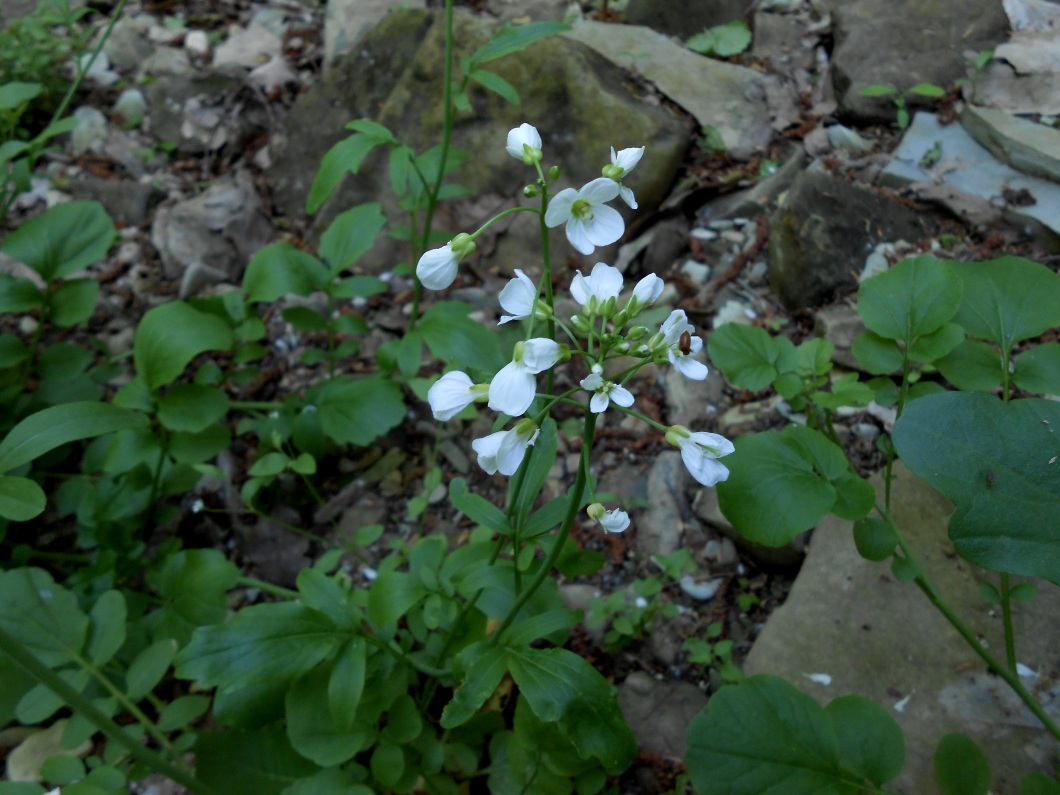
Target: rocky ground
column 769, row 188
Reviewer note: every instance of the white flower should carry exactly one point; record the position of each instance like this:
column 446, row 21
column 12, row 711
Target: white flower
column 621, row 164
column 452, row 393
column 524, row 143
column 518, row 297
column 590, row 222
column 503, row 451
column 681, row 352
column 513, row 388
column 437, row 267
column 604, row 392
column 613, row 521
column 648, row 290
column 603, row 283
column 700, row 452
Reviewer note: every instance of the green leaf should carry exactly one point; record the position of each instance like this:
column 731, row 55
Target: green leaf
column 974, row 366
column 542, row 457
column 393, row 594
column 191, row 407
column 486, row 666
column 871, row 744
column 565, row 689
column 42, row 615
column 333, row 781
column 280, row 270
column 497, row 84
column 18, row 294
column 53, row 427
column 388, row 764
column 344, row 157
column 63, row 240
column 350, row 235
column 192, row 584
column 269, row 465
column 73, row 302
column 17, row 92
column 261, row 644
column 1038, row 370
column 346, row 685
column 877, row 91
column 875, row 539
column 513, row 38
column 323, row 593
column 148, row 668
column 1008, row 299
column 854, row 497
column 876, row 354
column 310, row 731
column 249, row 763
column 358, row 411
column 21, row 499
column 107, row 628
column 915, row 297
column 359, row 287
column 181, row 711
column 477, row 508
column 460, row 341
column 961, row 767
column 196, row 448
column 170, row 336
column 927, row 90
column 937, row 344
column 773, row 492
column 1039, row 784
column 730, row 39
column 525, row 632
column 747, row 355
column 1000, row 465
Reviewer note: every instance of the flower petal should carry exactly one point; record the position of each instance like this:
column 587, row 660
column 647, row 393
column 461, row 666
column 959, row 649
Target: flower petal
column 510, row 454
column 579, row 237
column 621, row 396
column 598, row 191
column 512, row 390
column 437, row 268
column 627, row 158
column 523, row 134
column 487, row 448
column 518, row 296
column 559, row 208
column 626, row 194
column 605, row 227
column 689, row 367
column 614, row 521
column 605, row 281
column 599, row 402
column 450, row 395
column 539, row 354
column 648, row 289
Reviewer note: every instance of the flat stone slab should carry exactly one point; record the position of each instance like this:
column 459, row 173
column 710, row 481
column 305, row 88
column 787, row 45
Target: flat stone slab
column 1024, row 144
column 849, row 618
column 970, row 168
column 729, row 98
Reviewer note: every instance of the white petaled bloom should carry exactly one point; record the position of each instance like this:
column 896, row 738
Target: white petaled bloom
column 621, row 164
column 524, row 143
column 518, row 297
column 590, row 222
column 604, row 392
column 503, row 451
column 648, row 290
column 437, row 268
column 700, row 452
column 513, row 388
column 603, row 283
column 613, row 521
column 680, row 352
column 452, row 393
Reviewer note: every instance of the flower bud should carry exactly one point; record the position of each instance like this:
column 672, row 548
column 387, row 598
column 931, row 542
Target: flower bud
column 581, row 325
column 553, row 173
column 595, row 511
column 597, row 368
column 613, row 171
column 622, row 347
column 676, row 434
column 462, row 246
column 636, row 333
column 620, row 319
column 608, row 308
column 530, row 191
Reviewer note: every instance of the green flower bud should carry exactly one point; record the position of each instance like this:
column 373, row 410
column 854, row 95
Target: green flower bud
column 463, row 245
column 608, row 308
column 636, row 333
column 595, row 511
column 553, row 173
column 581, row 325
column 620, row 319
column 676, row 434
column 530, row 191
column 613, row 171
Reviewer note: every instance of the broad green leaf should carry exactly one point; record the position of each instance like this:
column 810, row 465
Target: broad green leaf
column 876, row 354
column 974, row 366
column 170, row 336
column 488, row 665
column 333, row 781
column 260, row 644
column 9, row 150
column 323, row 593
column 460, row 341
column 1008, row 299
column 871, row 744
column 42, row 615
column 1039, row 784
column 346, row 684
column 525, row 632
column 1000, row 465
column 196, row 448
column 1038, row 370
column 249, row 763
column 358, row 411
column 343, row 158
column 107, row 628
column 875, row 539
column 63, row 361
column 181, row 711
column 63, row 240
column 18, row 294
column 542, row 457
column 747, row 355
column 729, row 39
column 148, row 667
column 477, row 508
column 927, row 90
column 359, row 287
column 937, row 344
column 497, row 84
column 915, row 297
column 17, row 92
column 21, row 499
column 827, row 457
column 372, row 129
column 14, row 685
column 309, row 728
column 73, row 302
column 565, row 689
column 513, row 38
column 191, row 407
column 403, row 720
column 393, row 594
column 877, row 91
column 53, row 427
column 773, row 492
column 281, row 269
column 350, row 235
column 855, row 498
column 961, row 767
column 388, row 764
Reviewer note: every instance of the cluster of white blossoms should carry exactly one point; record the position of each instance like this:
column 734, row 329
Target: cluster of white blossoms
column 600, row 334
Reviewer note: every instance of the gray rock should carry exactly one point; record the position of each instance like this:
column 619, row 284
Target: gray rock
column 841, row 325
column 779, row 37
column 128, row 46
column 659, row 531
column 248, row 47
column 535, row 10
column 684, row 18
column 880, row 638
column 128, row 203
column 203, row 113
column 689, row 402
column 763, row 194
column 658, row 712
column 905, row 42
column 819, row 238
column 347, row 22
column 1022, row 78
column 171, row 61
column 1024, row 144
column 968, row 169
column 729, row 98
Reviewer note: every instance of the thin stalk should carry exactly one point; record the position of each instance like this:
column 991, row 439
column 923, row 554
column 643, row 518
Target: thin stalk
column 79, row 703
column 546, row 277
column 565, row 528
column 1006, row 615
column 267, row 587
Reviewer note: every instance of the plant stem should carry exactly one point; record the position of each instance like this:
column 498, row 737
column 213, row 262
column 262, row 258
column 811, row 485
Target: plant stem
column 267, row 587
column 78, row 702
column 1006, row 617
column 561, row 537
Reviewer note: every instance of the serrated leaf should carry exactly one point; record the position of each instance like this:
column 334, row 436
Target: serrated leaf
column 63, row 240
column 992, row 459
column 170, row 336
column 915, row 297
column 961, row 767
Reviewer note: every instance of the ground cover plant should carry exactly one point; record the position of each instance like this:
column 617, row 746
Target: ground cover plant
column 451, row 671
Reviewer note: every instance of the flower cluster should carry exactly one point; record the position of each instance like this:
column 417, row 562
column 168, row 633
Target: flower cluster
column 602, row 334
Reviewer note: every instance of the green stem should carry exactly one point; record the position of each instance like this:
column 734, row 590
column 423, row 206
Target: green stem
column 267, row 587
column 28, row 663
column 1006, row 617
column 561, row 537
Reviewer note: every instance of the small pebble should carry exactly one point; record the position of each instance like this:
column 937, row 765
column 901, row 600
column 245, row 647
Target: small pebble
column 197, row 42
column 702, row 233
column 821, row 679
column 699, row 588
